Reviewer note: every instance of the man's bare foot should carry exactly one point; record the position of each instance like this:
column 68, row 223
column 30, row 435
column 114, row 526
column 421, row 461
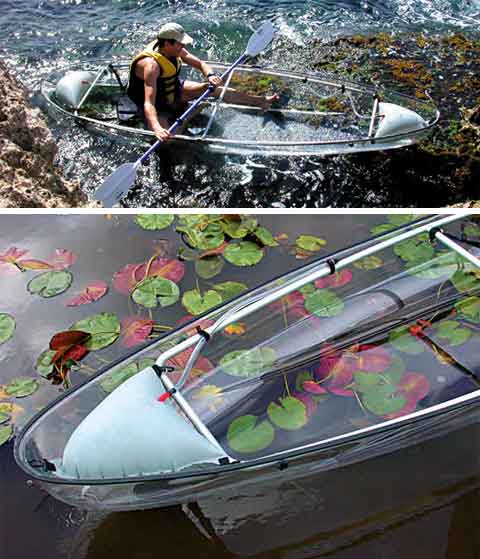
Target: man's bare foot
column 269, row 99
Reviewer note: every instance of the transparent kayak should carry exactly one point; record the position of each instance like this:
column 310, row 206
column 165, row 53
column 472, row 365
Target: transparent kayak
column 362, row 353
column 316, row 114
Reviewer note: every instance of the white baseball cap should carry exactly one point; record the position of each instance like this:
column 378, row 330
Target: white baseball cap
column 174, row 31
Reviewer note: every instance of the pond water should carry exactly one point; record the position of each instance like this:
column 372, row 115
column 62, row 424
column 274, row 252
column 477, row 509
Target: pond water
column 428, row 503
column 41, row 36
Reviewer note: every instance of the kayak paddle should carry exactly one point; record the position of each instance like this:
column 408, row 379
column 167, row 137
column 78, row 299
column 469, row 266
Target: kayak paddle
column 121, row 180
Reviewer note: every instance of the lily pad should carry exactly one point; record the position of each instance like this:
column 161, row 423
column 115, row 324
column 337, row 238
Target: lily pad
column 324, row 303
column 154, row 222
column 310, row 243
column 402, row 340
column 7, row 327
column 265, row 237
column 443, row 266
column 465, row 280
column 197, row 303
column 239, row 228
column 44, row 365
column 470, row 309
column 453, row 332
column 21, row 387
column 338, row 279
column 156, row 290
column 472, row 230
column 104, row 329
column 205, row 236
column 380, row 404
column 369, row 263
column 7, row 432
column 246, row 435
column 93, row 292
column 118, row 377
column 209, row 267
column 290, row 414
column 229, row 289
column 244, row 253
column 50, row 284
column 395, row 372
column 248, row 363
column 418, row 250
column 4, row 417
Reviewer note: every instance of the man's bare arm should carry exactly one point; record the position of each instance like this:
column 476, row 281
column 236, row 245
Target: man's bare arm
column 151, row 73
column 200, row 65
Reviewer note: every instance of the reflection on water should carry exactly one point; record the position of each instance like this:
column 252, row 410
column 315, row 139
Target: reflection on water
column 421, row 502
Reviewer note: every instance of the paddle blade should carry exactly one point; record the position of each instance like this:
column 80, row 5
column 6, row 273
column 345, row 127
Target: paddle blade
column 116, row 185
column 260, row 39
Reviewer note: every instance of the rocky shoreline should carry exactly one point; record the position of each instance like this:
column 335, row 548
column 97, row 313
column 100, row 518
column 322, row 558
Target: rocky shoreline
column 443, row 170
column 29, row 177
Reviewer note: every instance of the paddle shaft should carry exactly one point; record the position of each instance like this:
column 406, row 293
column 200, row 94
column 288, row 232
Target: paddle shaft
column 190, row 110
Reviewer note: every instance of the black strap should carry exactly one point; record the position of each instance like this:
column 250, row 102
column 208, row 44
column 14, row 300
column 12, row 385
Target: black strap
column 202, row 333
column 116, row 74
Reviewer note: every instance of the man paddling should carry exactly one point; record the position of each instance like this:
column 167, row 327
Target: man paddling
column 155, row 86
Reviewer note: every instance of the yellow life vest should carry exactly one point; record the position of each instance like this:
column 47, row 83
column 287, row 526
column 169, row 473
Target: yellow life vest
column 167, row 82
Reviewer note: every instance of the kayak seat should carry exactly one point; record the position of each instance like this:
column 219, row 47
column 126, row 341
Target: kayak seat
column 127, row 110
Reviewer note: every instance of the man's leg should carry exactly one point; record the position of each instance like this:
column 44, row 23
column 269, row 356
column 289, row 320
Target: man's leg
column 191, row 90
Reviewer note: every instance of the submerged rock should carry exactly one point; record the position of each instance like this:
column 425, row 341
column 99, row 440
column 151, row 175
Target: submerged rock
column 28, row 176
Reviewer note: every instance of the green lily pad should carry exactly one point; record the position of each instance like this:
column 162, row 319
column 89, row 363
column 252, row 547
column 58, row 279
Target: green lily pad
column 394, row 373
column 104, row 329
column 369, row 263
column 7, row 327
column 366, row 382
column 49, row 284
column 7, row 432
column 156, row 290
column 394, row 221
column 382, row 228
column 472, row 230
column 4, row 417
column 198, row 303
column 248, row 363
column 452, row 331
column 470, row 309
column 465, row 280
column 21, row 387
column 301, row 378
column 154, row 222
column 244, row 253
column 379, row 404
column 44, row 365
column 443, row 266
column 230, row 289
column 310, row 243
column 204, row 235
column 118, row 377
column 402, row 340
column 324, row 303
column 245, row 435
column 290, row 414
column 265, row 237
column 237, row 229
column 209, row 266
column 307, row 289
column 419, row 250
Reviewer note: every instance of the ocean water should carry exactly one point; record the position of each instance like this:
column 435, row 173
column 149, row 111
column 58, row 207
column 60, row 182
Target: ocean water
column 37, row 37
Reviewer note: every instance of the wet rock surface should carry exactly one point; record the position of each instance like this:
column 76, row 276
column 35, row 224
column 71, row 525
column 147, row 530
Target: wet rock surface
column 28, row 175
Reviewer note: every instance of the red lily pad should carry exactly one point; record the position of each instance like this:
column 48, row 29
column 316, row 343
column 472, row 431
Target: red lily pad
column 135, row 330
column 63, row 258
column 308, row 401
column 313, row 387
column 9, row 259
column 335, row 280
column 293, row 304
column 93, row 292
column 126, row 279
column 32, row 264
column 201, row 366
column 414, row 386
column 373, row 359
